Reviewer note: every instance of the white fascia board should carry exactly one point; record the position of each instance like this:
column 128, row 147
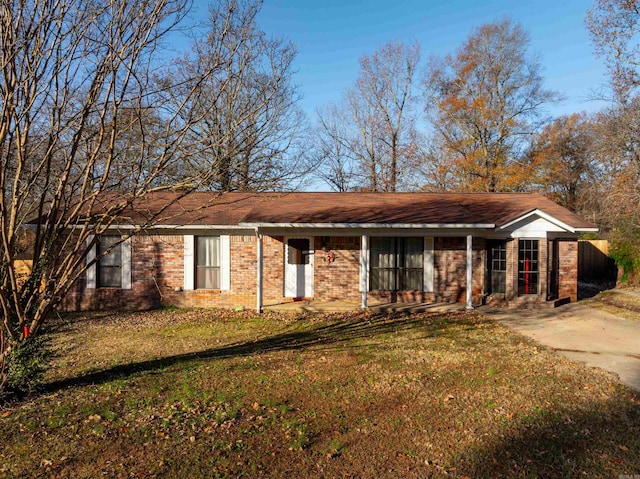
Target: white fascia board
column 541, row 214
column 371, row 225
column 181, row 227
column 587, row 230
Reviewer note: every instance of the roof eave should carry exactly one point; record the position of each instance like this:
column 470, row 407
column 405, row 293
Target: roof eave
column 541, row 214
column 369, row 225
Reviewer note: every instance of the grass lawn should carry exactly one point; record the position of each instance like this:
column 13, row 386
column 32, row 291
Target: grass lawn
column 219, row 394
column 617, row 302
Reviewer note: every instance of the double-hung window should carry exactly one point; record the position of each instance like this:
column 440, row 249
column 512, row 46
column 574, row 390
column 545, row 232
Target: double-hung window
column 208, row 262
column 109, row 262
column 396, row 264
column 497, row 266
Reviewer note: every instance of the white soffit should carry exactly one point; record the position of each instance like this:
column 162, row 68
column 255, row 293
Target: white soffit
column 521, row 222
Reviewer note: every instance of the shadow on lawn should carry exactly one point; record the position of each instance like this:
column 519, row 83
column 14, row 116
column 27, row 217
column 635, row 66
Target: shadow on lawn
column 601, row 440
column 318, row 334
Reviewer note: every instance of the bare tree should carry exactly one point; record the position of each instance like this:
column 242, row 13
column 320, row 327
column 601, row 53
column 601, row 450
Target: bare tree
column 84, row 132
column 332, row 150
column 250, row 130
column 615, row 30
column 484, row 102
column 377, row 135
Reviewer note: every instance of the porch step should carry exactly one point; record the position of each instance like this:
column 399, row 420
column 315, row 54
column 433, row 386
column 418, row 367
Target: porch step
column 314, row 306
column 416, row 307
column 559, row 302
column 526, row 303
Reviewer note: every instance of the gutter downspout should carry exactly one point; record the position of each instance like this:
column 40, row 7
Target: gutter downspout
column 259, row 273
column 364, row 270
column 469, row 272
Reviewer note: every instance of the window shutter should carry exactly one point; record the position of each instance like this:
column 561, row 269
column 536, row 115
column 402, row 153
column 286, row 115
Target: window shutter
column 225, row 263
column 428, row 264
column 189, row 262
column 125, row 248
column 90, row 274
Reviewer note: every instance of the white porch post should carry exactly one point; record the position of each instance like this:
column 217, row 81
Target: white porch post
column 364, row 269
column 469, row 271
column 259, row 274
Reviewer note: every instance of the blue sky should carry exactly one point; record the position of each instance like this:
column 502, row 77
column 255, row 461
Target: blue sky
column 332, row 35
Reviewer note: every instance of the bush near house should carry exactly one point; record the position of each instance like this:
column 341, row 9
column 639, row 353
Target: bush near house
column 625, row 250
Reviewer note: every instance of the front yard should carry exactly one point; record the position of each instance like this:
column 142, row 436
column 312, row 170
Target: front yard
column 214, row 394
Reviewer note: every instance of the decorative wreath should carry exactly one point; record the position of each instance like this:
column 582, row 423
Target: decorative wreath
column 330, row 256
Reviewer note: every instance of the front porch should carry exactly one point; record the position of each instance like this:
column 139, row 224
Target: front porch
column 343, row 306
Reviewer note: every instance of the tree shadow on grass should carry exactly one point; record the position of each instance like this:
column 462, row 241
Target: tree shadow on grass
column 595, row 439
column 316, row 334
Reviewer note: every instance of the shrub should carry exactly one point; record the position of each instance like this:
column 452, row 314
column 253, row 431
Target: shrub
column 27, row 364
column 625, row 250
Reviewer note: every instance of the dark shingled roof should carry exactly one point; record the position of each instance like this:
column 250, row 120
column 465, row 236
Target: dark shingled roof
column 352, row 207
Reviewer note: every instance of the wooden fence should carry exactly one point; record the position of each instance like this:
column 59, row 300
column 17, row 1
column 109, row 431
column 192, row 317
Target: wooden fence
column 594, row 262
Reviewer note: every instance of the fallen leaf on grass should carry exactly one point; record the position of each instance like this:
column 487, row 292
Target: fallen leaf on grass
column 6, row 413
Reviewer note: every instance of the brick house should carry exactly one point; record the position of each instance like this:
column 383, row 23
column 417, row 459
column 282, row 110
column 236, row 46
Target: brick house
column 250, row 250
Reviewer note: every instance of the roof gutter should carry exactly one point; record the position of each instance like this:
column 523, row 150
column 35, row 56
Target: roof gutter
column 371, row 225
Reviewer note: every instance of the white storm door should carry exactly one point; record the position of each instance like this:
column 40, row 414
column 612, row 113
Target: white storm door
column 298, row 267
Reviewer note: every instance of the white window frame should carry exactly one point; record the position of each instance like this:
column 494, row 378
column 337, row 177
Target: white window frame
column 91, row 275
column 189, row 281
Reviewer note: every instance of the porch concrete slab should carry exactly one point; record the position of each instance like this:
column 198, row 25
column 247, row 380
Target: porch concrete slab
column 337, row 306
column 581, row 333
column 415, row 307
column 314, row 306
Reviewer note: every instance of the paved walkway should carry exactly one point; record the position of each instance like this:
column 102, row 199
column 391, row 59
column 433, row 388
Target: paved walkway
column 581, row 333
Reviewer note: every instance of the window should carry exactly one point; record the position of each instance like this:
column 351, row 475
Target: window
column 298, row 250
column 528, row 267
column 110, row 265
column 396, row 264
column 208, row 262
column 108, row 262
column 496, row 267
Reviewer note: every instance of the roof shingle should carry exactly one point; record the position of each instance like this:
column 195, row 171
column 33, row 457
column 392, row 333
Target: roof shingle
column 352, row 208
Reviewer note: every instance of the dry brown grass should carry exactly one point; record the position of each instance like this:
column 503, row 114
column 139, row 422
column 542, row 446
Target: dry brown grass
column 213, row 394
column 617, row 302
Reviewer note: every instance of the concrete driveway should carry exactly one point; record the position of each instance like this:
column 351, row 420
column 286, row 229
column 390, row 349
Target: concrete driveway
column 583, row 334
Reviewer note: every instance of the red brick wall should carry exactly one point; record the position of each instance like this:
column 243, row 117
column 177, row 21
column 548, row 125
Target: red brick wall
column 243, row 280
column 568, row 277
column 273, row 270
column 450, row 265
column 340, row 279
column 158, row 274
column 156, row 267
